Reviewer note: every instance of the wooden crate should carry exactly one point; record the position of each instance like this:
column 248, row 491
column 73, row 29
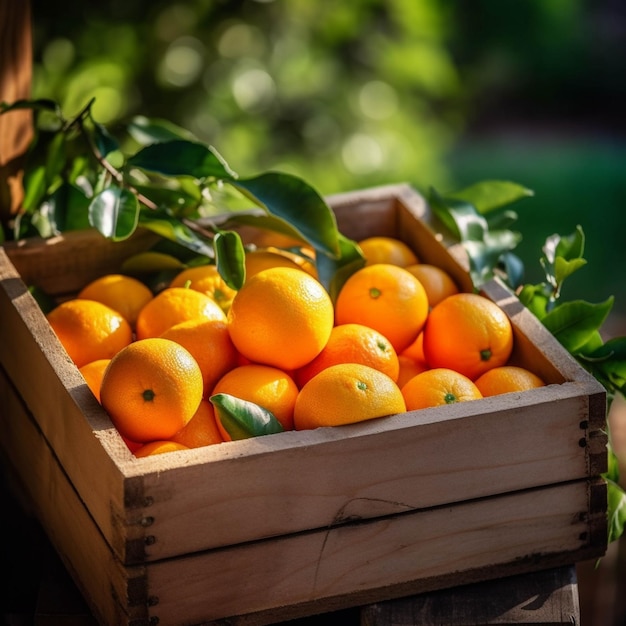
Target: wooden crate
column 298, row 523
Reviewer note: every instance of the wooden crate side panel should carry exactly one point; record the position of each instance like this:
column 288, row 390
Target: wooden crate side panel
column 62, row 265
column 345, row 566
column 115, row 594
column 57, row 396
column 295, row 481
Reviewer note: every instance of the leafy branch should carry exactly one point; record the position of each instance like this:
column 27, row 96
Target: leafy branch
column 575, row 324
column 160, row 178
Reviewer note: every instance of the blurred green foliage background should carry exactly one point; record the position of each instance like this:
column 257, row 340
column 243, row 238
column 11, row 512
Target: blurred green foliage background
column 352, row 95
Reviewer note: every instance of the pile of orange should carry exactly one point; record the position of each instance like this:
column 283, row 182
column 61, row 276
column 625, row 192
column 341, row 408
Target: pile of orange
column 399, row 337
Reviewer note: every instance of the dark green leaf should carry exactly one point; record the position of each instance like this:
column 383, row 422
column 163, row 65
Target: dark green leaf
column 41, row 104
column 46, row 302
column 146, row 131
column 175, row 230
column 182, row 158
column 34, row 188
column 297, row 203
column 333, row 273
column 104, row 141
column 115, row 213
column 243, row 419
column 230, row 258
column 178, row 200
column 69, row 208
column 56, row 158
column 608, row 362
column 460, row 217
column 489, row 195
column 574, row 323
column 513, row 268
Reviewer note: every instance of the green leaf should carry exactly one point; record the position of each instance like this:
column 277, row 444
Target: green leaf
column 616, row 510
column 115, row 213
column 41, row 104
column 297, row 203
column 179, row 157
column 146, row 131
column 574, row 323
column 333, row 273
column 230, row 258
column 68, row 208
column 175, row 230
column 485, row 255
column 460, row 217
column 179, row 200
column 489, row 195
column 35, row 188
column 243, row 419
column 564, row 268
column 105, row 142
column 56, row 158
column 513, row 268
column 608, row 361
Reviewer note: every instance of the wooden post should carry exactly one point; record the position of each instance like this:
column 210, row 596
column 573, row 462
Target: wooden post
column 15, row 84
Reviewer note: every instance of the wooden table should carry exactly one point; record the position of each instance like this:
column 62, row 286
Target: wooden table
column 40, row 591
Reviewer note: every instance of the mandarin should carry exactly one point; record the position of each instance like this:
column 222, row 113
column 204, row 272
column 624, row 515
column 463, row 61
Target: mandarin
column 386, row 298
column 206, row 279
column 346, row 393
column 151, row 389
column 209, row 342
column 409, row 367
column 387, row 250
column 122, row 293
column 93, row 373
column 437, row 282
column 353, row 343
column 436, row 387
column 469, row 333
column 507, row 378
column 89, row 330
column 269, row 387
column 281, row 317
column 172, row 306
column 158, row 447
column 201, row 430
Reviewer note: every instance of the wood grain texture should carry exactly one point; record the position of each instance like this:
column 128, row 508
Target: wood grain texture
column 15, row 84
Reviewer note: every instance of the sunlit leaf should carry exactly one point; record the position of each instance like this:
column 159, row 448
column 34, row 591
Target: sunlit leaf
column 179, row 157
column 574, row 323
column 243, row 419
column 489, row 195
column 115, row 213
column 34, row 188
column 293, row 200
column 230, row 258
column 171, row 228
column 564, row 268
column 460, row 217
column 146, row 131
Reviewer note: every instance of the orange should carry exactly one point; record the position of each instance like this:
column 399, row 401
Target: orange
column 507, row 378
column 353, row 343
column 123, row 294
column 346, row 393
column 281, row 317
column 387, row 250
column 89, row 330
column 201, row 430
column 386, row 298
column 151, row 389
column 262, row 259
column 158, row 447
column 437, row 282
column 416, row 349
column 210, row 344
column 172, row 306
column 93, row 373
column 408, row 368
column 436, row 387
column 206, row 279
column 269, row 387
column 469, row 333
